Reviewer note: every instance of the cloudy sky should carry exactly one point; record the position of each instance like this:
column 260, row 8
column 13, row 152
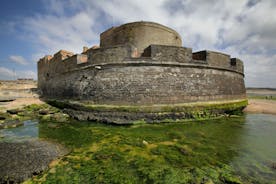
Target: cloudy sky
column 30, row 29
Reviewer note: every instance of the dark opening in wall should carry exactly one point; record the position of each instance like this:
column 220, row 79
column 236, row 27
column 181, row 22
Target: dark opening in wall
column 233, row 62
column 47, row 75
column 147, row 52
column 201, row 55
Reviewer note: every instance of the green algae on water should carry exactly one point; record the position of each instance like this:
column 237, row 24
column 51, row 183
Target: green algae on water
column 214, row 151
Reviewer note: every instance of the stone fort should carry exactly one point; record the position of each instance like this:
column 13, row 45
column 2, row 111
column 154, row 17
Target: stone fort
column 139, row 64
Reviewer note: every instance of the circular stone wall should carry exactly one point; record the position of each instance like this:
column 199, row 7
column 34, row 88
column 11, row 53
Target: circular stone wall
column 139, row 35
column 152, row 92
column 148, row 85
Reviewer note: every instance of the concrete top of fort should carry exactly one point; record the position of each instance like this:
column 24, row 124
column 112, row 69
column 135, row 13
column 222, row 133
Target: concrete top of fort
column 139, row 43
column 139, row 35
column 141, row 24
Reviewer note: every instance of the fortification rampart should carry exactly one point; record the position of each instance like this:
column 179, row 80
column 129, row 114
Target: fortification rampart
column 152, row 54
column 131, row 69
column 164, row 74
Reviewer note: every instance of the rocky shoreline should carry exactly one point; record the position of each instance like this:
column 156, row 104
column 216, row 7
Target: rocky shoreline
column 22, row 160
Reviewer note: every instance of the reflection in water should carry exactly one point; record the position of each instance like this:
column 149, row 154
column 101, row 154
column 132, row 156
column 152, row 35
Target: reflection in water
column 244, row 147
column 27, row 131
column 257, row 151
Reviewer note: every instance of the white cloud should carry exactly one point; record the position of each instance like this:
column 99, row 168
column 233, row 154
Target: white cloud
column 55, row 32
column 8, row 74
column 244, row 28
column 36, row 56
column 29, row 74
column 260, row 70
column 18, row 59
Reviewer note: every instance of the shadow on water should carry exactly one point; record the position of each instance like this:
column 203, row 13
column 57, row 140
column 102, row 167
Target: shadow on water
column 229, row 150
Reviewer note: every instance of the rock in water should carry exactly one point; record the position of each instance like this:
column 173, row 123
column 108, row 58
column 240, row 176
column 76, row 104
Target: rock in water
column 145, row 142
column 43, row 112
column 21, row 160
column 7, row 99
column 14, row 111
column 11, row 124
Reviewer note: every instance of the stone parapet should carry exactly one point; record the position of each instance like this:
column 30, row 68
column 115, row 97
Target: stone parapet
column 168, row 53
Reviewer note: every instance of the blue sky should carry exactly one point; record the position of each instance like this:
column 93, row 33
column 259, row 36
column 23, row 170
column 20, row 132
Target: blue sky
column 30, row 29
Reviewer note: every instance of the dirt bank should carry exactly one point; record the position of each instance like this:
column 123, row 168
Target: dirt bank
column 19, row 103
column 261, row 106
column 17, row 94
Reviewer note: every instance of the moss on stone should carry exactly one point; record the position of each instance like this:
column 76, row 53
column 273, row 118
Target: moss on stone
column 126, row 114
column 184, row 107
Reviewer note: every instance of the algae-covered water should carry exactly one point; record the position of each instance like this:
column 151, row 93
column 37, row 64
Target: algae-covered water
column 227, row 150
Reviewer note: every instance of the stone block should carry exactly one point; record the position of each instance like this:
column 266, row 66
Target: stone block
column 166, row 53
column 81, row 58
column 61, row 55
column 218, row 59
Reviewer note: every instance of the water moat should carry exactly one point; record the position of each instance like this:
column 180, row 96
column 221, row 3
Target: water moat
column 226, row 150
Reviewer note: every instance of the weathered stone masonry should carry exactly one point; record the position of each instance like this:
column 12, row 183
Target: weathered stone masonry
column 141, row 63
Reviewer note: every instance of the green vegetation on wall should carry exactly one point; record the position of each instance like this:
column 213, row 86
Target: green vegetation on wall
column 162, row 113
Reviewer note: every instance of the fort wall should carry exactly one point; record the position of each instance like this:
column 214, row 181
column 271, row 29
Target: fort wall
column 164, row 74
column 133, row 67
column 164, row 53
column 218, row 59
column 146, row 84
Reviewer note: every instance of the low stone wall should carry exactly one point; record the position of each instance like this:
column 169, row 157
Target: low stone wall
column 163, row 53
column 218, row 59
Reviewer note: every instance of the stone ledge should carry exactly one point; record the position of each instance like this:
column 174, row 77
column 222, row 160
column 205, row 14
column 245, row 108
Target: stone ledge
column 147, row 63
column 150, row 114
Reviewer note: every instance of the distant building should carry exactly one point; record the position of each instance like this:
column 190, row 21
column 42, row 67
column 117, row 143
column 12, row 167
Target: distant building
column 25, row 79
